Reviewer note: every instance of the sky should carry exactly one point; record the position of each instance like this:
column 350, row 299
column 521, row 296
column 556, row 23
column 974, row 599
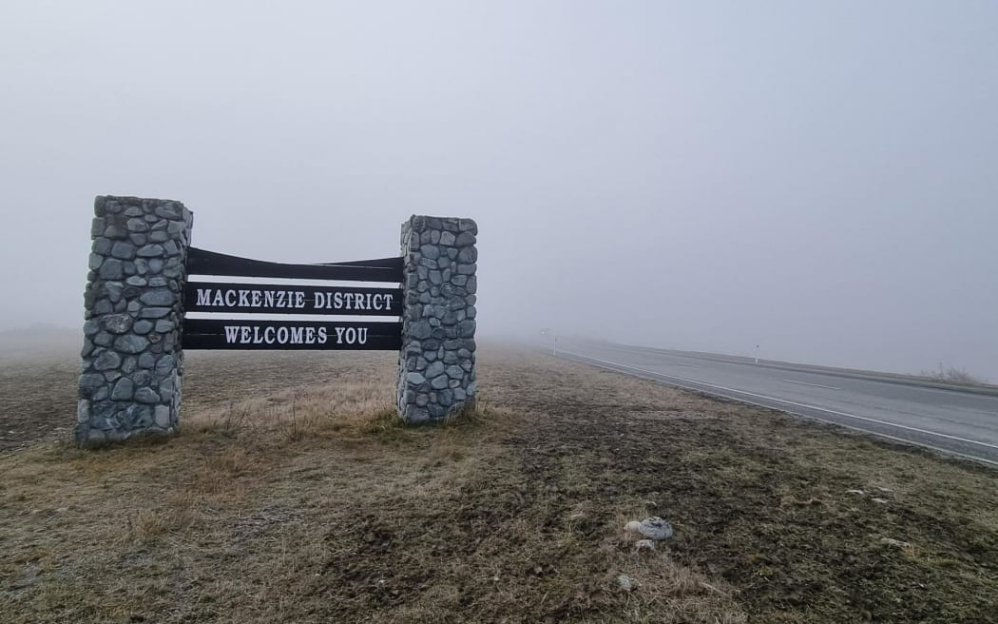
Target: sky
column 819, row 179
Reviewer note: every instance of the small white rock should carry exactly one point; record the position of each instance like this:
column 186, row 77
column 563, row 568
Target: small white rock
column 656, row 528
column 633, row 526
column 879, row 500
column 859, row 492
column 645, row 544
column 625, row 582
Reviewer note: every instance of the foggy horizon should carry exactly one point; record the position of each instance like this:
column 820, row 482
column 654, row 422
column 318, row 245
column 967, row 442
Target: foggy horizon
column 817, row 180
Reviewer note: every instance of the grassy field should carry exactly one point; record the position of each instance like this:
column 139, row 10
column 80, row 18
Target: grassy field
column 293, row 495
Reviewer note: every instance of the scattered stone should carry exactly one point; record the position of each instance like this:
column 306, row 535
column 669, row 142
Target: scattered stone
column 645, row 544
column 633, row 526
column 879, row 501
column 655, row 528
column 626, row 583
column 856, row 492
column 893, row 542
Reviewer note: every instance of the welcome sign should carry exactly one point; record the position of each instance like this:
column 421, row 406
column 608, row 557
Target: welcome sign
column 150, row 296
column 264, row 299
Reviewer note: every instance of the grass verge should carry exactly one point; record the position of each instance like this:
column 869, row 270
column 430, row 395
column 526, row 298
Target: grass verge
column 297, row 499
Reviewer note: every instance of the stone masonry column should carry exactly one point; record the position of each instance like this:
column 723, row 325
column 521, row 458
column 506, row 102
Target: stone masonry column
column 437, row 363
column 132, row 358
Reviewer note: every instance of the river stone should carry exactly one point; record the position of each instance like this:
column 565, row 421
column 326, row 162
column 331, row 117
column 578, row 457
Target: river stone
column 467, row 328
column 415, row 379
column 123, row 390
column 420, row 330
column 146, row 395
column 436, row 411
column 157, row 298
column 112, row 269
column 117, row 323
column 154, row 313
column 131, row 344
column 166, row 390
column 83, row 411
column 107, row 360
column 468, row 255
column 165, row 365
column 446, row 397
column 104, row 306
column 123, row 250
column 162, row 416
column 142, row 378
column 91, row 381
column 434, row 370
column 154, row 250
column 137, row 225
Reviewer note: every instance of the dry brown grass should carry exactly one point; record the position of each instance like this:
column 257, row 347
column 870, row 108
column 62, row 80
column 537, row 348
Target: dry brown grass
column 294, row 495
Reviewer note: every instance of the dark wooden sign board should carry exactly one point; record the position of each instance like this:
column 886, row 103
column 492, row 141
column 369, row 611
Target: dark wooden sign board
column 201, row 262
column 242, row 298
column 266, row 334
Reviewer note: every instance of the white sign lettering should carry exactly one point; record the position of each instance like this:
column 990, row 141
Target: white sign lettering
column 294, row 335
column 293, row 299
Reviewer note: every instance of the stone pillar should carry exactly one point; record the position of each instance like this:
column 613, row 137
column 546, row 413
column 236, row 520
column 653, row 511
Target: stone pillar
column 437, row 362
column 132, row 358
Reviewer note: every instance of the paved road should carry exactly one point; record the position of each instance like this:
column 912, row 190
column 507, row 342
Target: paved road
column 952, row 421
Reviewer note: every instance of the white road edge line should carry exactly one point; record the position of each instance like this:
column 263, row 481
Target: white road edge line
column 804, row 405
column 804, row 383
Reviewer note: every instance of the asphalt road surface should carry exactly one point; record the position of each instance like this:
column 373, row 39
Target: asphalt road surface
column 953, row 421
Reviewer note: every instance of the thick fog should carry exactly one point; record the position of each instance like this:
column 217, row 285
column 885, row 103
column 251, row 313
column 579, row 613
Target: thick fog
column 817, row 178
